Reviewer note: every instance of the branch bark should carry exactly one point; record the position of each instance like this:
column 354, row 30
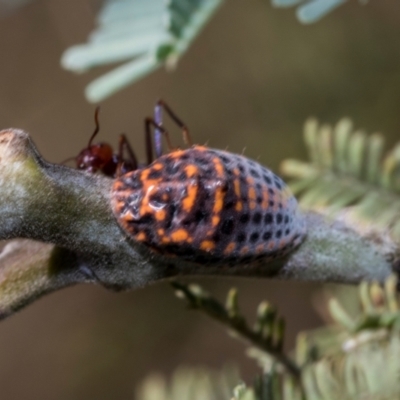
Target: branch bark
column 74, row 237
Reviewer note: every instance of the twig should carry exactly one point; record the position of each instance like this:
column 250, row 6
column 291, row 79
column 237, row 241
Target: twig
column 71, row 210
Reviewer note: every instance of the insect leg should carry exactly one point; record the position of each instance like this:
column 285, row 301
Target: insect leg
column 177, row 120
column 148, row 123
column 125, row 145
column 157, row 132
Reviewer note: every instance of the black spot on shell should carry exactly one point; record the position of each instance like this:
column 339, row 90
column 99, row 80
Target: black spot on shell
column 229, row 205
column 133, row 183
column 172, row 169
column 271, row 191
column 254, row 173
column 172, row 209
column 287, row 231
column 257, row 218
column 278, row 234
column 271, row 203
column 259, row 200
column 267, row 236
column 279, row 218
column 227, row 226
column 286, row 219
column 278, row 183
column 268, row 218
column 241, row 237
column 208, row 173
column 241, row 168
column 225, row 159
column 200, row 161
column 267, row 179
column 244, row 218
column 145, row 220
column 216, row 238
column 254, row 237
column 154, row 174
column 199, row 216
column 182, row 176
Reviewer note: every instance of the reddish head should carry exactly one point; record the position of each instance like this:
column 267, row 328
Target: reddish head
column 101, row 157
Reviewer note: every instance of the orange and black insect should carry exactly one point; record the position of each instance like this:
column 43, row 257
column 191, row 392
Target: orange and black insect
column 205, row 205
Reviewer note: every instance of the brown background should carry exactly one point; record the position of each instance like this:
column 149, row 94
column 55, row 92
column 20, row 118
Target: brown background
column 249, row 81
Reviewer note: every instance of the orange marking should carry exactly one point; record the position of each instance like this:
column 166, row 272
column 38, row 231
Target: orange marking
column 161, row 232
column 252, row 205
column 219, row 200
column 117, row 185
column 215, row 220
column 200, row 148
column 236, row 185
column 271, row 245
column 264, row 204
column 157, row 166
column 176, row 153
column 190, row 170
column 282, row 243
column 250, row 180
column 236, row 171
column 245, row 250
column 179, row 235
column 218, row 166
column 127, row 216
column 164, row 197
column 229, row 249
column 189, row 201
column 145, row 207
column 207, row 245
column 239, row 206
column 160, row 215
column 252, row 194
column 141, row 236
column 260, row 248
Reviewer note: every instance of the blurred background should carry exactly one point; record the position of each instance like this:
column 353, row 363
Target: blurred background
column 248, row 82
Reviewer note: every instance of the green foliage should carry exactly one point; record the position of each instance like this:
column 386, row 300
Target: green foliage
column 267, row 333
column 310, row 11
column 356, row 358
column 349, row 178
column 190, row 383
column 148, row 34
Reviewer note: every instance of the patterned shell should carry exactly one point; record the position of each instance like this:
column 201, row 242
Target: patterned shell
column 208, row 206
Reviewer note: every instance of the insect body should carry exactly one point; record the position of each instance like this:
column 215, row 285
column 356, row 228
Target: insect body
column 208, row 206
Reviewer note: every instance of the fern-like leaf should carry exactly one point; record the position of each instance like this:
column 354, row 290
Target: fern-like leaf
column 349, row 178
column 147, row 33
column 310, row 11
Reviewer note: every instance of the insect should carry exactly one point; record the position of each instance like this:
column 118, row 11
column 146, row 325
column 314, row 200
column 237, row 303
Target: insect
column 101, row 157
column 207, row 206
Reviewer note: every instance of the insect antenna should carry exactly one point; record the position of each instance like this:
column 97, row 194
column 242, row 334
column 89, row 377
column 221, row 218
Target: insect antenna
column 97, row 126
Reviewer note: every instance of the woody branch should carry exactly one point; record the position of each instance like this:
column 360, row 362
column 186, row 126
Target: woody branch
column 71, row 236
